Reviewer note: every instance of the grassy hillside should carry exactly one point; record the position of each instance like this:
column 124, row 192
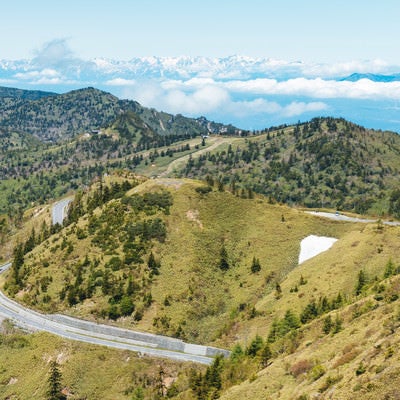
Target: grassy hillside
column 201, row 284
column 322, row 163
column 358, row 362
column 100, row 264
column 87, row 372
column 211, row 260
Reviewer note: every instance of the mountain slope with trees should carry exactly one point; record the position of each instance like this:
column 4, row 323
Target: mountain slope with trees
column 210, row 261
column 326, row 162
column 195, row 261
column 56, row 117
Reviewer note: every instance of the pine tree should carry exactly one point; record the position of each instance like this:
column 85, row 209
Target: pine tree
column 328, row 324
column 338, row 324
column 389, row 269
column 255, row 265
column 255, row 346
column 54, row 383
column 17, row 264
column 153, row 265
column 362, row 281
column 223, row 261
column 266, row 355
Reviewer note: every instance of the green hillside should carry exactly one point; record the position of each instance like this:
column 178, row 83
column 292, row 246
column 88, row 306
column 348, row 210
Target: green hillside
column 55, row 117
column 322, row 163
column 181, row 258
column 178, row 229
column 87, row 372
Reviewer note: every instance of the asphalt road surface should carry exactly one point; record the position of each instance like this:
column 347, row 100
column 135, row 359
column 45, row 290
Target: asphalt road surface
column 341, row 217
column 59, row 211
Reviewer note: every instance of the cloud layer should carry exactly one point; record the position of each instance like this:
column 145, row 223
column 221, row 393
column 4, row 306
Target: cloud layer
column 232, row 89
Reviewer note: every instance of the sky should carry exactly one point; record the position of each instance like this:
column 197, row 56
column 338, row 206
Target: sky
column 294, row 59
column 307, row 30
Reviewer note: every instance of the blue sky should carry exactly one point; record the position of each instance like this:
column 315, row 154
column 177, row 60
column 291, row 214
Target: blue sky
column 293, row 57
column 308, row 30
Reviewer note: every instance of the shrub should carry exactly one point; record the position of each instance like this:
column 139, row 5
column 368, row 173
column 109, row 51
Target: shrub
column 203, row 189
column 317, row 371
column 329, row 381
column 300, row 367
column 360, row 369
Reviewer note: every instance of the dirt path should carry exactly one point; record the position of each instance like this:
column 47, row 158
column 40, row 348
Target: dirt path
column 218, row 141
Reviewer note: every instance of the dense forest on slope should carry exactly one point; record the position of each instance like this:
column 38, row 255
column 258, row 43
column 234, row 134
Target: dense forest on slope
column 322, row 163
column 59, row 117
column 12, row 93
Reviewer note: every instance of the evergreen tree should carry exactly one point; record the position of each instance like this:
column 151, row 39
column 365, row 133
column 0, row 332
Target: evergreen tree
column 361, row 282
column 54, row 383
column 389, row 269
column 223, row 261
column 291, row 320
column 310, row 312
column 266, row 355
column 255, row 265
column 338, row 324
column 17, row 264
column 153, row 265
column 328, row 324
column 255, row 346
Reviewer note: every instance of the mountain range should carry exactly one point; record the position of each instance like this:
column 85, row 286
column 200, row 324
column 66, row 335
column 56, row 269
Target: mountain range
column 249, row 93
column 192, row 229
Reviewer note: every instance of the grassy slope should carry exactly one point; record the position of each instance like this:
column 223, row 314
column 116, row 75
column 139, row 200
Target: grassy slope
column 369, row 341
column 205, row 301
column 90, row 372
column 198, row 226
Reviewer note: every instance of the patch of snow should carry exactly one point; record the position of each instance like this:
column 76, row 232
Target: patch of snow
column 313, row 245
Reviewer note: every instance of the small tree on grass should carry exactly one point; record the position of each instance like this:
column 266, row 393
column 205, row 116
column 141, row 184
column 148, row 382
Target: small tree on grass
column 223, row 260
column 266, row 355
column 255, row 265
column 328, row 324
column 54, row 383
column 361, row 282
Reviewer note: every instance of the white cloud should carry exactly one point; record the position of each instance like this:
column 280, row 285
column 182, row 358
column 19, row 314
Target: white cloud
column 47, row 76
column 55, row 53
column 344, row 69
column 45, row 73
column 120, row 82
column 313, row 88
column 298, row 108
column 204, row 100
column 193, row 99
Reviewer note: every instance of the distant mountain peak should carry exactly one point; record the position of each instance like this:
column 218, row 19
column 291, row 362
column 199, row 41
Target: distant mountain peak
column 372, row 77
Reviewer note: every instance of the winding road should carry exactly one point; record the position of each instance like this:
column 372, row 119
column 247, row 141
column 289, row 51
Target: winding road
column 341, row 217
column 99, row 334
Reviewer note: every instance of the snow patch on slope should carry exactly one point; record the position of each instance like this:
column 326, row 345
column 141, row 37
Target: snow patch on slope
column 313, row 245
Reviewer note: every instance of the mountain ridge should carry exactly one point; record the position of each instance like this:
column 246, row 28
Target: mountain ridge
column 60, row 116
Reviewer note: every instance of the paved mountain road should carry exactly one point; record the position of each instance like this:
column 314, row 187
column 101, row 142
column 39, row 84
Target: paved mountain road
column 341, row 217
column 59, row 211
column 91, row 332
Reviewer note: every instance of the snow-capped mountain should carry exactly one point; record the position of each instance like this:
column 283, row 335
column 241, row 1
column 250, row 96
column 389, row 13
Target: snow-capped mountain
column 248, row 92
